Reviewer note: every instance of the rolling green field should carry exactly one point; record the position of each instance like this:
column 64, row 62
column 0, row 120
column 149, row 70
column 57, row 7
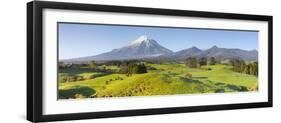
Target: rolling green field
column 164, row 79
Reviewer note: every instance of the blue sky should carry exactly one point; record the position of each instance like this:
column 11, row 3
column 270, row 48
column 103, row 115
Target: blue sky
column 78, row 40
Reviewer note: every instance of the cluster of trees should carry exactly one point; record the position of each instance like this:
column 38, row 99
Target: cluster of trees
column 239, row 65
column 92, row 64
column 126, row 66
column 70, row 78
column 120, row 62
column 194, row 62
column 74, row 78
column 242, row 67
column 63, row 65
column 133, row 68
column 191, row 62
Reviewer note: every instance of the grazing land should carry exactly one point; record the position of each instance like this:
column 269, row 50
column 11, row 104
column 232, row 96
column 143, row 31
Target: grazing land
column 101, row 80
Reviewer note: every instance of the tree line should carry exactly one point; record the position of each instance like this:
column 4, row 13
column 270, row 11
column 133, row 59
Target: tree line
column 133, row 68
column 242, row 67
column 194, row 62
column 128, row 67
column 239, row 65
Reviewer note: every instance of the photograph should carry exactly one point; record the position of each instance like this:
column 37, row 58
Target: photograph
column 88, row 60
column 112, row 61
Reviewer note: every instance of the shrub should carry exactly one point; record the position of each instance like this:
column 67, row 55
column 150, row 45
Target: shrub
column 189, row 75
column 106, row 82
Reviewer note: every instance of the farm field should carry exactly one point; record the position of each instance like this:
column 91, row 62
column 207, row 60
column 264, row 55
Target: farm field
column 160, row 79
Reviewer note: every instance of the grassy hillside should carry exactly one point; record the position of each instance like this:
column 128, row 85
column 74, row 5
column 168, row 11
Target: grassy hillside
column 164, row 79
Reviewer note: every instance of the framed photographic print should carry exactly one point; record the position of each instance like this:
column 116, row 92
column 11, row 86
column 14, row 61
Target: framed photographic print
column 95, row 61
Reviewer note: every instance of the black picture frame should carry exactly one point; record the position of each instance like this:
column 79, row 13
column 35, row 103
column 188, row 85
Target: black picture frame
column 35, row 69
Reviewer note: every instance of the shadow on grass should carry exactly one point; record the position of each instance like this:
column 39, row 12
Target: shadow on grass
column 219, row 90
column 191, row 80
column 75, row 71
column 221, row 87
column 199, row 77
column 237, row 88
column 167, row 76
column 76, row 92
column 232, row 87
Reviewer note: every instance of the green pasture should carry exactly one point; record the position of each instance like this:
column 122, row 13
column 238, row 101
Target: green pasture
column 165, row 79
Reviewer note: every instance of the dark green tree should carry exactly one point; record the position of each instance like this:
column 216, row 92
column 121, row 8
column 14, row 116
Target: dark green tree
column 133, row 68
column 247, row 69
column 241, row 67
column 191, row 62
column 61, row 65
column 202, row 61
column 124, row 69
column 212, row 61
column 253, row 70
column 92, row 64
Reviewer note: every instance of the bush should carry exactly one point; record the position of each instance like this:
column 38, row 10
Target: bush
column 106, row 82
column 189, row 75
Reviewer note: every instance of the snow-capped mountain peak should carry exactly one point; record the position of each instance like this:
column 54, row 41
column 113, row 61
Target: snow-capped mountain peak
column 142, row 47
column 142, row 39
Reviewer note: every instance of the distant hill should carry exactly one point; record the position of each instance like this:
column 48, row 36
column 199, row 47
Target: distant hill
column 218, row 53
column 190, row 52
column 147, row 48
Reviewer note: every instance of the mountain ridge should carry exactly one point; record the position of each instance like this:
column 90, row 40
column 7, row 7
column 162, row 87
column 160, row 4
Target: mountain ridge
column 145, row 47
